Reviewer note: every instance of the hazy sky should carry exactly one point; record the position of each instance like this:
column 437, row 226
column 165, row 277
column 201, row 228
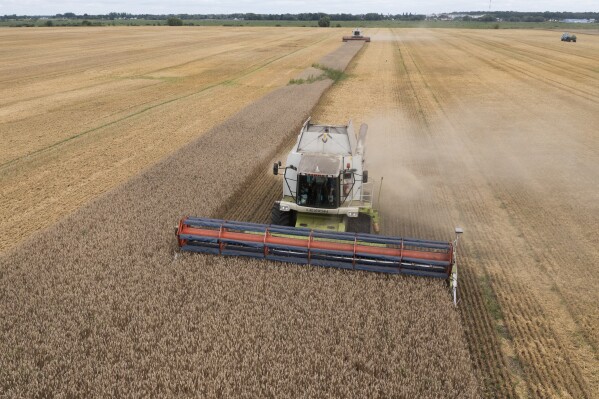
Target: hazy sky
column 46, row 7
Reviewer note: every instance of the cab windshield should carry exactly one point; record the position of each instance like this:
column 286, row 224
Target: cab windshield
column 318, row 191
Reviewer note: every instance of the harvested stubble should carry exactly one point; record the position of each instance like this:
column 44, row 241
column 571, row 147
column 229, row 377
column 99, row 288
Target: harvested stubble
column 506, row 149
column 101, row 305
column 74, row 125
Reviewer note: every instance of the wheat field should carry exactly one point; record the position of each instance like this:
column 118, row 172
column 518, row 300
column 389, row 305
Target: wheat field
column 81, row 112
column 493, row 131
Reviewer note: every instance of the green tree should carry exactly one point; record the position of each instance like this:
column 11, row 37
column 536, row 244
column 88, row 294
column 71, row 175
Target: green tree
column 49, row 23
column 174, row 21
column 371, row 16
column 487, row 18
column 324, row 21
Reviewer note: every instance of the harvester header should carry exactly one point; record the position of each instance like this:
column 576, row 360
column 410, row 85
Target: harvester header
column 351, row 251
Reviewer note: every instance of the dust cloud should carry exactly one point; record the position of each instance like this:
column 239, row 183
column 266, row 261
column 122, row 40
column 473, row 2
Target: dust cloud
column 430, row 165
column 398, row 153
column 388, row 153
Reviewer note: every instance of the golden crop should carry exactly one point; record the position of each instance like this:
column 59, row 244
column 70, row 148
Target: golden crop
column 103, row 304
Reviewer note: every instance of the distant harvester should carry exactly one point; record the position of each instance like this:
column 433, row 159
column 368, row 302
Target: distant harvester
column 356, row 35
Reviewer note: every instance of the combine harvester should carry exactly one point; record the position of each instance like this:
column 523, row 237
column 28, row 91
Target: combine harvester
column 356, row 35
column 325, row 218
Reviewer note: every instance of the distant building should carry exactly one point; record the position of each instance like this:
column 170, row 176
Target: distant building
column 452, row 16
column 578, row 21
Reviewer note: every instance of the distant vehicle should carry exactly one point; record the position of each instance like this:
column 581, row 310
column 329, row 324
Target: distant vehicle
column 568, row 37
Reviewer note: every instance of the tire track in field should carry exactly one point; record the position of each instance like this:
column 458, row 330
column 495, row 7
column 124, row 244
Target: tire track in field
column 566, row 271
column 482, row 338
column 545, row 221
column 534, row 46
column 128, row 55
column 149, row 72
column 480, row 329
column 524, row 74
column 529, row 53
column 245, row 72
column 546, row 374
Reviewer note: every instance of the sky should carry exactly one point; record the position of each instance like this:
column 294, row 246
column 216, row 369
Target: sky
column 48, row 7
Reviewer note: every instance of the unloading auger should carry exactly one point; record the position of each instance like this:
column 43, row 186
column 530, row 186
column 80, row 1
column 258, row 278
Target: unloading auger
column 325, row 218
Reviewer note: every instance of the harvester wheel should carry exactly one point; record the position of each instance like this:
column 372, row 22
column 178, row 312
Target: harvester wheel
column 361, row 224
column 281, row 218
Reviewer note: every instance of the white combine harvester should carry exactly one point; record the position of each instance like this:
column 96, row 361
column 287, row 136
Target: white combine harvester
column 356, row 35
column 325, row 217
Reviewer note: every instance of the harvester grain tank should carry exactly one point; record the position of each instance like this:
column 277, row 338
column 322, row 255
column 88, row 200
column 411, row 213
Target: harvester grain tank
column 325, row 185
column 356, row 35
column 325, row 217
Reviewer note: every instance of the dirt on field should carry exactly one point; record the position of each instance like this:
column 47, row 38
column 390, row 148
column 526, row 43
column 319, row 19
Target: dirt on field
column 83, row 110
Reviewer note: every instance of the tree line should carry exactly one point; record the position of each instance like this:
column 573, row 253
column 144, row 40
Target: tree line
column 513, row 16
column 242, row 16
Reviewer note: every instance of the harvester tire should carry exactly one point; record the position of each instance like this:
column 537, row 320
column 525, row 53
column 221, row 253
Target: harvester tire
column 361, row 224
column 281, row 218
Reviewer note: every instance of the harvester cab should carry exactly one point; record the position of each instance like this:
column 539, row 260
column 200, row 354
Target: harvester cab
column 325, row 185
column 325, row 217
